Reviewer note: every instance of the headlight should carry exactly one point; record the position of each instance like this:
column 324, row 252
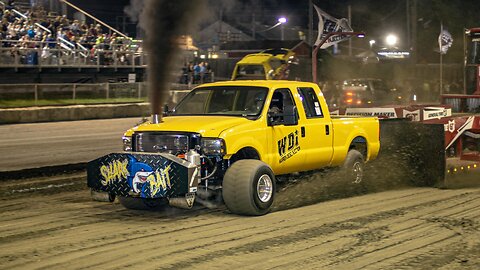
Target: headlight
column 213, row 146
column 127, row 143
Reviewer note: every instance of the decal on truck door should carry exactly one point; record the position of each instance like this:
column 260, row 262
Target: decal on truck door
column 288, row 146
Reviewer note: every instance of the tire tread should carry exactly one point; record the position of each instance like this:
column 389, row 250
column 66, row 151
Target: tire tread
column 237, row 190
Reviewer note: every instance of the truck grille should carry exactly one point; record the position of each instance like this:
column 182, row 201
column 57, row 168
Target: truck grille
column 160, row 142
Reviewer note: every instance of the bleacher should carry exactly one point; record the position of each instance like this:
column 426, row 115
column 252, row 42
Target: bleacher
column 55, row 49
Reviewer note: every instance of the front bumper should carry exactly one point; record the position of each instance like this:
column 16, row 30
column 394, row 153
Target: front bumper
column 143, row 175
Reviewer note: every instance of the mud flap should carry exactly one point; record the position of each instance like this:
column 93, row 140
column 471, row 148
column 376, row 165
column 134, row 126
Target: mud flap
column 142, row 175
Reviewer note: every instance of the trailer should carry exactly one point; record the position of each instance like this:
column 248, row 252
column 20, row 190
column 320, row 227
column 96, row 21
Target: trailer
column 443, row 139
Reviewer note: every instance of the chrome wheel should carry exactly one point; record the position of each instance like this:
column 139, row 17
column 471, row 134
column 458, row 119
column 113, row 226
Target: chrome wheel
column 265, row 188
column 357, row 172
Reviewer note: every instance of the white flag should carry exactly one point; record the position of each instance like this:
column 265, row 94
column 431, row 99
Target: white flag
column 445, row 41
column 327, row 24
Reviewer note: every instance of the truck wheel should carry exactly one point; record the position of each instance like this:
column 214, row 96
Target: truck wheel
column 140, row 203
column 249, row 188
column 101, row 196
column 354, row 166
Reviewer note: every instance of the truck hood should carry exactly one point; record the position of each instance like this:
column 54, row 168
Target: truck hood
column 207, row 126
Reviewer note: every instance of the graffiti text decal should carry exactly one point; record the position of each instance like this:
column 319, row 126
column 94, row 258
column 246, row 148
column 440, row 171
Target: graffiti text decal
column 114, row 171
column 160, row 180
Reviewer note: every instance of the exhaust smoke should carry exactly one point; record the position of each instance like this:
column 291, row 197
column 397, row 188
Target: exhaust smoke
column 163, row 22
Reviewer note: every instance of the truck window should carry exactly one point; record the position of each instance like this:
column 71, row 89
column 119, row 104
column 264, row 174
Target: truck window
column 251, row 72
column 281, row 97
column 245, row 101
column 196, row 101
column 310, row 102
column 275, row 63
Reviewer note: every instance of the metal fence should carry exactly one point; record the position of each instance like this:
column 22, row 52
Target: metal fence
column 107, row 91
column 73, row 91
column 48, row 55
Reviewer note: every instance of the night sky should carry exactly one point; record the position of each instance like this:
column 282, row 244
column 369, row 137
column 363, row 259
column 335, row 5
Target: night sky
column 375, row 17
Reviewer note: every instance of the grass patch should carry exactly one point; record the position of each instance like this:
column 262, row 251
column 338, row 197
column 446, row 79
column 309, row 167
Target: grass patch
column 15, row 103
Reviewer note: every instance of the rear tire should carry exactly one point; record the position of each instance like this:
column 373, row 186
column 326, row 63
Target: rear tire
column 249, row 188
column 140, row 203
column 354, row 167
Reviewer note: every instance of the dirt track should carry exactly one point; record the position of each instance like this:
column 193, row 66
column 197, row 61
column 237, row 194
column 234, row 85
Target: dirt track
column 55, row 225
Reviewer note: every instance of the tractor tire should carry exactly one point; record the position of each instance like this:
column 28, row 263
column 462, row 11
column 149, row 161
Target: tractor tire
column 353, row 167
column 249, row 188
column 100, row 196
column 140, row 203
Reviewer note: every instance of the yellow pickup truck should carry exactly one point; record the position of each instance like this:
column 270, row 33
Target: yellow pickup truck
column 271, row 64
column 234, row 138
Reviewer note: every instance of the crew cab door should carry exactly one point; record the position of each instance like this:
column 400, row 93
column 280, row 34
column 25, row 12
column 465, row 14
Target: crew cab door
column 316, row 129
column 284, row 143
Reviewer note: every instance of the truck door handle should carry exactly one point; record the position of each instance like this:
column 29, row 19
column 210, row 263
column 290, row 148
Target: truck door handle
column 327, row 129
column 303, row 131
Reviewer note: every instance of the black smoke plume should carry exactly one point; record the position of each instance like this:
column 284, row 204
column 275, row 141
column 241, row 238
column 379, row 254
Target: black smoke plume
column 163, row 22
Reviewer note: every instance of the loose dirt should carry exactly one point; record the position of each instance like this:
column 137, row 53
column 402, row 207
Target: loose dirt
column 53, row 224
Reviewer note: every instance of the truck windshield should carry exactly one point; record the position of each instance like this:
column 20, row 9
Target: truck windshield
column 246, row 101
column 250, row 72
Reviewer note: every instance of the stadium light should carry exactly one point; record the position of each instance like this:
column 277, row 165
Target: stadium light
column 391, row 40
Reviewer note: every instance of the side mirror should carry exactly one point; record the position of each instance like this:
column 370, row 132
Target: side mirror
column 165, row 110
column 290, row 117
column 274, row 118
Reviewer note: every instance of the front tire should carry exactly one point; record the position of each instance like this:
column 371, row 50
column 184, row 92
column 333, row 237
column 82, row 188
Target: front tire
column 249, row 188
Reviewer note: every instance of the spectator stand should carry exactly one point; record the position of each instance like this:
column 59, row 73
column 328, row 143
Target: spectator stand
column 35, row 39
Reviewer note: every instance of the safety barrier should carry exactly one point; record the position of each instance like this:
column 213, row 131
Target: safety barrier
column 463, row 103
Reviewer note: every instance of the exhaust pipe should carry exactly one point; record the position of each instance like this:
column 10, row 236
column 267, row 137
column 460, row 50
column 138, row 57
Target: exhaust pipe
column 183, row 202
column 155, row 119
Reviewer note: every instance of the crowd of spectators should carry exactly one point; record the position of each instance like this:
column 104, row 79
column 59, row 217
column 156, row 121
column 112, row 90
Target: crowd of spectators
column 194, row 73
column 36, row 29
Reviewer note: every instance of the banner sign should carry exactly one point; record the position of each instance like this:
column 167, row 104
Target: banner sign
column 413, row 112
column 436, row 113
column 328, row 24
column 379, row 112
